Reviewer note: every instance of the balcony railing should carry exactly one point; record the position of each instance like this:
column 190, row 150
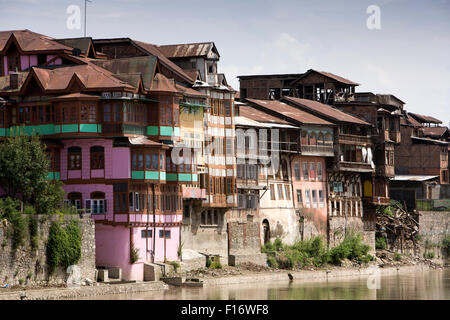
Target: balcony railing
column 355, row 166
column 353, row 139
column 317, row 150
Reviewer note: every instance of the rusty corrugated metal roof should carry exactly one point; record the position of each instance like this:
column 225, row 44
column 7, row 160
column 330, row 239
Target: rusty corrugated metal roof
column 128, row 69
column 162, row 84
column 290, row 111
column 329, row 75
column 190, row 92
column 424, row 119
column 153, row 50
column 184, row 50
column 81, row 43
column 325, row 111
column 29, row 41
column 258, row 115
column 436, row 132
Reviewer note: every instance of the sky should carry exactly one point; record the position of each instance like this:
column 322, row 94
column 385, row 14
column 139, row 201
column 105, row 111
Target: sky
column 408, row 56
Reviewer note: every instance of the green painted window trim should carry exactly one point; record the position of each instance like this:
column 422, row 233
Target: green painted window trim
column 166, row 131
column 148, row 175
column 172, row 177
column 186, row 177
column 193, row 105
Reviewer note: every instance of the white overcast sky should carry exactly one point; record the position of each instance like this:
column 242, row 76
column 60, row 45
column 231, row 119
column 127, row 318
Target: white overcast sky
column 408, row 57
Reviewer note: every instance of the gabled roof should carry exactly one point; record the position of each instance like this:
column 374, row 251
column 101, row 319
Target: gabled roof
column 425, row 119
column 5, row 82
column 190, row 92
column 149, row 49
column 408, row 120
column 30, row 42
column 130, row 69
column 185, row 50
column 328, row 75
column 258, row 115
column 435, row 132
column 289, row 111
column 162, row 84
column 89, row 76
column 153, row 50
column 193, row 73
column 84, row 44
column 325, row 111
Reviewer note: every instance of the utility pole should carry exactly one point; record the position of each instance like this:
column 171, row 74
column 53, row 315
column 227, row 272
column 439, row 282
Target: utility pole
column 85, row 5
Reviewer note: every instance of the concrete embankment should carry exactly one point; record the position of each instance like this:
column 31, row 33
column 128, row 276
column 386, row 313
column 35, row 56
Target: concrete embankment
column 317, row 275
column 88, row 291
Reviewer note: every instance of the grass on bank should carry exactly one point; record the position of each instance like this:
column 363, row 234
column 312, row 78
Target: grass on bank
column 313, row 252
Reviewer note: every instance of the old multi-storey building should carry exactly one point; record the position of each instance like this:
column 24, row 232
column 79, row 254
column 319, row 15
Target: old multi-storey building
column 110, row 122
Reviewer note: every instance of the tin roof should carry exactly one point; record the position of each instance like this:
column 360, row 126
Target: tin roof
column 29, row 41
column 435, row 132
column 129, row 69
column 258, row 115
column 326, row 111
column 162, row 84
column 184, row 50
column 329, row 75
column 290, row 111
column 425, row 119
column 405, row 177
column 190, row 92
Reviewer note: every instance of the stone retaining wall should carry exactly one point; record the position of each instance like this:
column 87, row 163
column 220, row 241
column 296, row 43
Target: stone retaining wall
column 30, row 266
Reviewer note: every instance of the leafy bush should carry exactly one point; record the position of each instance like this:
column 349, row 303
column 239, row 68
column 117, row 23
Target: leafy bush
column 278, row 244
column 10, row 210
column 351, row 248
column 429, row 255
column 175, row 265
column 446, row 244
column 272, row 262
column 397, row 256
column 134, row 255
column 208, row 262
column 63, row 246
column 380, row 243
column 33, row 229
column 216, row 263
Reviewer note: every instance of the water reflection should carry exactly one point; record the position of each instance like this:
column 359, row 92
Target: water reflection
column 426, row 285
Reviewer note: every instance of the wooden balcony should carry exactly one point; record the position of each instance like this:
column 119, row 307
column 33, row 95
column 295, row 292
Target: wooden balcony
column 353, row 139
column 323, row 151
column 385, row 171
column 355, row 166
column 395, row 136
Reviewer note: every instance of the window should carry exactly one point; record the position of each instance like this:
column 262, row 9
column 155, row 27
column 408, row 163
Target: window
column 297, row 170
column 75, row 199
column 314, row 198
column 319, row 171
column 97, row 157
column 164, row 234
column 88, row 113
column 146, row 233
column 13, row 63
column 272, row 192
column 308, row 198
column 312, row 171
column 280, row 192
column 305, row 171
column 74, row 158
column 287, row 191
column 299, row 198
column 97, row 203
column 321, row 199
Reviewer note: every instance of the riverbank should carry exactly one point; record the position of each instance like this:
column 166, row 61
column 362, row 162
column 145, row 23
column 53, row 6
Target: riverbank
column 250, row 277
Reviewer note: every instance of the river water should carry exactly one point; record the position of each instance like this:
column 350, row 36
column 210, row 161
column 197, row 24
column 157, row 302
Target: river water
column 427, row 285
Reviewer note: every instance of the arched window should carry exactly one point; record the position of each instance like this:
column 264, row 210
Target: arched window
column 320, row 139
column 312, row 139
column 97, row 157
column 74, row 158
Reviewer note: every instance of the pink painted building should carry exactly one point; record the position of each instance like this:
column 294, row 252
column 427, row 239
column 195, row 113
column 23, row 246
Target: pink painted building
column 108, row 134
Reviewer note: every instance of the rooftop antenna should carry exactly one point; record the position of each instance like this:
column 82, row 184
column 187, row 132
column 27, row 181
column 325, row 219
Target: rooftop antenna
column 85, row 5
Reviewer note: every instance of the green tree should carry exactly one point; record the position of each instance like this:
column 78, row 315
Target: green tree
column 23, row 173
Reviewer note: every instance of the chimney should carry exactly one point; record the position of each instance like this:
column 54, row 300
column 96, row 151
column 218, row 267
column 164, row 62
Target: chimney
column 14, row 80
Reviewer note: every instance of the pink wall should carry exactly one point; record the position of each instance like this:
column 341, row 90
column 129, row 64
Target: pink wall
column 28, row 61
column 87, row 189
column 318, row 213
column 56, row 62
column 117, row 160
column 113, row 248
